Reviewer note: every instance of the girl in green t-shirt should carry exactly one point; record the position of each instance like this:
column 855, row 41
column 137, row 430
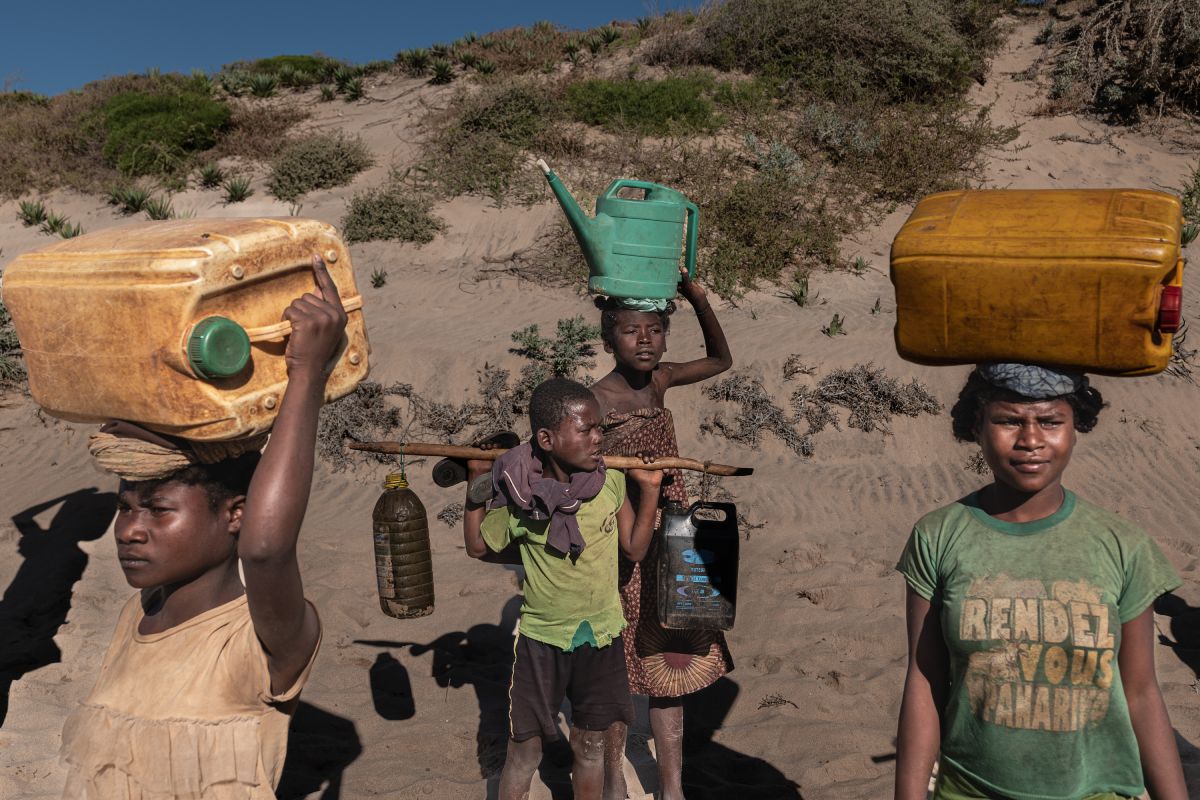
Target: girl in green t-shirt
column 1030, row 620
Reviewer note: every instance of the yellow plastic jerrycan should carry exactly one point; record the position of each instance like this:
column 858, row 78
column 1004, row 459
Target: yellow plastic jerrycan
column 176, row 325
column 1090, row 279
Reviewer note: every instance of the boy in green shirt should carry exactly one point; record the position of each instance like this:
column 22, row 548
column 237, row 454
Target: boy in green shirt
column 567, row 515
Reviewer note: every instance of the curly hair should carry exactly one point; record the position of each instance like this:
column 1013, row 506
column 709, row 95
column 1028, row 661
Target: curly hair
column 611, row 306
column 220, row 481
column 1086, row 403
column 552, row 401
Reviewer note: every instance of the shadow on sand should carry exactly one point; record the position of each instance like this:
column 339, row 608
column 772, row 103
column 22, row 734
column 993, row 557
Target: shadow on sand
column 37, row 601
column 1185, row 642
column 320, row 747
column 712, row 771
column 480, row 657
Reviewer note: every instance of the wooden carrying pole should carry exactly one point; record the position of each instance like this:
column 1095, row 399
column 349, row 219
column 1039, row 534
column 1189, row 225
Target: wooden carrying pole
column 616, row 462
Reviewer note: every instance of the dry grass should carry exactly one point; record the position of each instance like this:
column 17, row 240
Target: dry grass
column 1125, row 58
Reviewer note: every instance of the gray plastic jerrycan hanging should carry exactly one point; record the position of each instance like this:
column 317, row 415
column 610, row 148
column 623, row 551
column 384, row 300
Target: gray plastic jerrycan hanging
column 632, row 246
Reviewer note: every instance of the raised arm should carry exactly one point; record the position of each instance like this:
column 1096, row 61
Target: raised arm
column 920, row 730
column 717, row 357
column 1147, row 712
column 278, row 495
column 635, row 528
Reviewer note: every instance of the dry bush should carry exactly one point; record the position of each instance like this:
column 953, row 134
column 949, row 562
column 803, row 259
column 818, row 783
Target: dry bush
column 478, row 143
column 452, row 514
column 1128, row 56
column 317, row 161
column 870, row 395
column 364, row 415
column 257, row 131
column 756, row 413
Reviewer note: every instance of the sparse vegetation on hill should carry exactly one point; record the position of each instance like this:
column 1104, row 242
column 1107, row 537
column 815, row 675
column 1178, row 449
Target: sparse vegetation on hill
column 789, row 122
column 1126, row 58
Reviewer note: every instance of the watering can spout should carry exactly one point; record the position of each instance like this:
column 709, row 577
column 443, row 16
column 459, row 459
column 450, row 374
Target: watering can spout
column 580, row 223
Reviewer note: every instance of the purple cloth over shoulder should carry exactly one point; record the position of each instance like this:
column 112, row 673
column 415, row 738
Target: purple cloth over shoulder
column 518, row 481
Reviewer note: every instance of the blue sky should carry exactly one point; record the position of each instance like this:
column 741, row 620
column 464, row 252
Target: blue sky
column 68, row 43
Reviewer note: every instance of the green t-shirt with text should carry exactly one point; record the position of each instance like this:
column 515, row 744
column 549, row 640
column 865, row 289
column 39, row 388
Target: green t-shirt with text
column 562, row 595
column 1031, row 614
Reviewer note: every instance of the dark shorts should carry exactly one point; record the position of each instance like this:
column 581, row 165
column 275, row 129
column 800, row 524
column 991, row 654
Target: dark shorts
column 592, row 678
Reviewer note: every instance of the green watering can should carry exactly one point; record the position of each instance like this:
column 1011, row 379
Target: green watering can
column 632, row 246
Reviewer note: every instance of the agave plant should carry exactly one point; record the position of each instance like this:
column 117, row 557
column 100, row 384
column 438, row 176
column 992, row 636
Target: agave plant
column 353, row 90
column 69, row 231
column 418, row 61
column 443, row 71
column 1189, row 233
column 468, row 59
column 341, row 76
column 328, row 93
column 129, row 199
column 32, row 212
column 594, row 43
column 237, row 189
column 263, row 84
column 159, row 208
column 54, row 222
column 211, row 176
column 485, row 67
column 609, row 34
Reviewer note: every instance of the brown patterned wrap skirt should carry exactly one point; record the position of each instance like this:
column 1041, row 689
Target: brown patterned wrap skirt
column 661, row 662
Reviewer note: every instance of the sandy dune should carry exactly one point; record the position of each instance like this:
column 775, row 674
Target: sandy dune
column 415, row 709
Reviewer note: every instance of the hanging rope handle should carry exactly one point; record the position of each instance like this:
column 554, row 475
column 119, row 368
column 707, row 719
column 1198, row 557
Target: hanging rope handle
column 281, row 330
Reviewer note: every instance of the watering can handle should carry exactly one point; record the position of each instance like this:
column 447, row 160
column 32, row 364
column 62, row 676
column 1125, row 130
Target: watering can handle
column 629, row 183
column 693, row 232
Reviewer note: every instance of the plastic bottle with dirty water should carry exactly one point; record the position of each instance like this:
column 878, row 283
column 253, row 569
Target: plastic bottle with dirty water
column 403, row 563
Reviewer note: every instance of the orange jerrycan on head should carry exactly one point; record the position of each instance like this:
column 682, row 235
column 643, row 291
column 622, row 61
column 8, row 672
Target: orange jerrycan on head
column 1090, row 279
column 176, row 325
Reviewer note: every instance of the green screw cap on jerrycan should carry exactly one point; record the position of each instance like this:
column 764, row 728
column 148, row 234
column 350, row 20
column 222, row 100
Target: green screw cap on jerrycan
column 218, row 348
column 632, row 246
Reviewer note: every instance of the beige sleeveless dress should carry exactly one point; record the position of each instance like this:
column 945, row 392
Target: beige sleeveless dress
column 186, row 713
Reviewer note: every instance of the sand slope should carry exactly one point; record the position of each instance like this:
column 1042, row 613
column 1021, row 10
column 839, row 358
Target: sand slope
column 415, row 709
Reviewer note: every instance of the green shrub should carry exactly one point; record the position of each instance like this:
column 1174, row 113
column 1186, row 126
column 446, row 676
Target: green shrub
column 156, row 133
column 319, row 161
column 907, row 49
column 378, row 277
column 656, row 107
column 390, row 213
column 570, row 351
column 315, row 66
column 328, row 93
